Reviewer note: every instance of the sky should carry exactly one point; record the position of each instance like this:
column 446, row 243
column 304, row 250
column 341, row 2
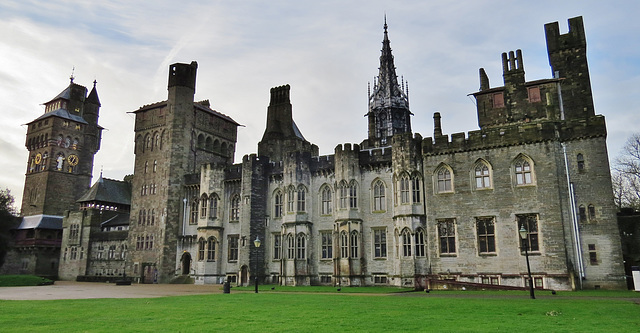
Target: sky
column 328, row 51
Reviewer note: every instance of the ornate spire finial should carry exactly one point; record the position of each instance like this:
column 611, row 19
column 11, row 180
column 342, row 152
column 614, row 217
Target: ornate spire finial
column 385, row 23
column 72, row 71
column 94, row 83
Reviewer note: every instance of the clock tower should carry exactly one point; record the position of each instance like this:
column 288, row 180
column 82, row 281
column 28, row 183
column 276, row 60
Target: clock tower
column 62, row 143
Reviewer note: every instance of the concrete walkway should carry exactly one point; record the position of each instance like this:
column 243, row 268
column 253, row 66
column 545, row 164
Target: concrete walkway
column 84, row 290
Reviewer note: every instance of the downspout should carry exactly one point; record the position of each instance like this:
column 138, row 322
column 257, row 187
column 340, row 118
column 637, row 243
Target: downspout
column 575, row 228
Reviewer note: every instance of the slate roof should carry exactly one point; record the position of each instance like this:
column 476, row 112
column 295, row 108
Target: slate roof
column 108, row 191
column 62, row 113
column 41, row 222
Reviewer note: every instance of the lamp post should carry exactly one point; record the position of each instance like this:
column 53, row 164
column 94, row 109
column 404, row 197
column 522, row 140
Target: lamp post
column 523, row 235
column 257, row 243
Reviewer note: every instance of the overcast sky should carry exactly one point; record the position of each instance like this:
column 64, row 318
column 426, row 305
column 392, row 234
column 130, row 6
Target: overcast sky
column 326, row 50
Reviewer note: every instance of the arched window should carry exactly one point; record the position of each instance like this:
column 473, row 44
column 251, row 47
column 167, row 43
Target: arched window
column 209, row 144
column 326, row 201
column 406, row 243
column 277, row 204
column 416, row 185
column 234, row 213
column 444, row 178
column 146, row 166
column 155, row 165
column 301, row 246
column 344, row 245
column 201, row 141
column 201, row 245
column 302, row 202
column 354, row 244
column 404, row 189
column 580, row 160
column 344, row 194
column 523, row 171
column 582, row 211
column 379, row 198
column 482, row 176
column 419, row 242
column 592, row 212
column 157, row 140
column 290, row 198
column 353, row 195
column 153, row 217
column 213, row 210
column 204, row 209
column 194, row 212
column 211, row 249
column 291, row 249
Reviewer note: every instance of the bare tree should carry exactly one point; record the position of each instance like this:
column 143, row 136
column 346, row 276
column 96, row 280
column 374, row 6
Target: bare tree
column 626, row 174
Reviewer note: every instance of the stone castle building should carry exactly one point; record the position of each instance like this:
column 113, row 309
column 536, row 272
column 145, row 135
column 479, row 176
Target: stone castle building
column 396, row 209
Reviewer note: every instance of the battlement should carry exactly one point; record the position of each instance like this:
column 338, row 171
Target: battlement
column 574, row 38
column 516, row 134
column 280, row 95
column 347, row 147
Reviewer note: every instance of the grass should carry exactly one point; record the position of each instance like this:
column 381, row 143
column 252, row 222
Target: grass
column 325, row 289
column 274, row 311
column 22, row 281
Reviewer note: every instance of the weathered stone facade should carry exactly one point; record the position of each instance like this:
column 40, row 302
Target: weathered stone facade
column 397, row 209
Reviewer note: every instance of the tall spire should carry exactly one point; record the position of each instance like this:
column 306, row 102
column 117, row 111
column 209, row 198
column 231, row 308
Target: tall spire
column 388, row 103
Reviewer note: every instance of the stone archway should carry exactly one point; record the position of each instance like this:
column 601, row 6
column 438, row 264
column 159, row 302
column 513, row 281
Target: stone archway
column 186, row 263
column 244, row 276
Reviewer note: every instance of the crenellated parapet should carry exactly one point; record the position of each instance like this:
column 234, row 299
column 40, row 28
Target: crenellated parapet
column 516, row 134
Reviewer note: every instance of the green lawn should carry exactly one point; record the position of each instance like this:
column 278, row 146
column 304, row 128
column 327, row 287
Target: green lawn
column 271, row 311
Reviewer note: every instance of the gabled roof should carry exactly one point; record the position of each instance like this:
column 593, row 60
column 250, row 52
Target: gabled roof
column 108, row 191
column 41, row 222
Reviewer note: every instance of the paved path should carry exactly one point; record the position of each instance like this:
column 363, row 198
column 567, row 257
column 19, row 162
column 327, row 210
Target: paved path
column 83, row 290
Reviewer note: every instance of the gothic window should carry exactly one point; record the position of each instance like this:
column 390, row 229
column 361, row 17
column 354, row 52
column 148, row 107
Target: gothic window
column 232, row 254
column 211, row 249
column 416, row 185
column 291, row 247
column 523, row 171
column 344, row 194
column 344, row 245
column 146, row 166
column 379, row 243
column 157, row 140
column 153, row 217
column 277, row 204
column 302, row 203
column 144, row 216
column 592, row 212
column 580, row 160
column 379, row 199
column 353, row 195
column 447, row 236
column 482, row 176
column 200, row 141
column 155, row 166
column 326, row 245
column 203, row 206
column 301, row 246
column 444, row 178
column 530, row 223
column 404, row 189
column 277, row 247
column 485, row 228
column 194, row 212
column 234, row 213
column 140, row 217
column 419, row 243
column 326, row 201
column 213, row 207
column 290, row 198
column 582, row 212
column 406, row 243
column 354, row 244
column 201, row 249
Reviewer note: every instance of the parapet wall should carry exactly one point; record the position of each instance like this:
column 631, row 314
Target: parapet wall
column 516, row 134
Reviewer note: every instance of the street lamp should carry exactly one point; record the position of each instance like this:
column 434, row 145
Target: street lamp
column 523, row 235
column 257, row 245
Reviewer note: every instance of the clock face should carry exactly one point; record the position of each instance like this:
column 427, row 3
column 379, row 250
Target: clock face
column 38, row 158
column 73, row 160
